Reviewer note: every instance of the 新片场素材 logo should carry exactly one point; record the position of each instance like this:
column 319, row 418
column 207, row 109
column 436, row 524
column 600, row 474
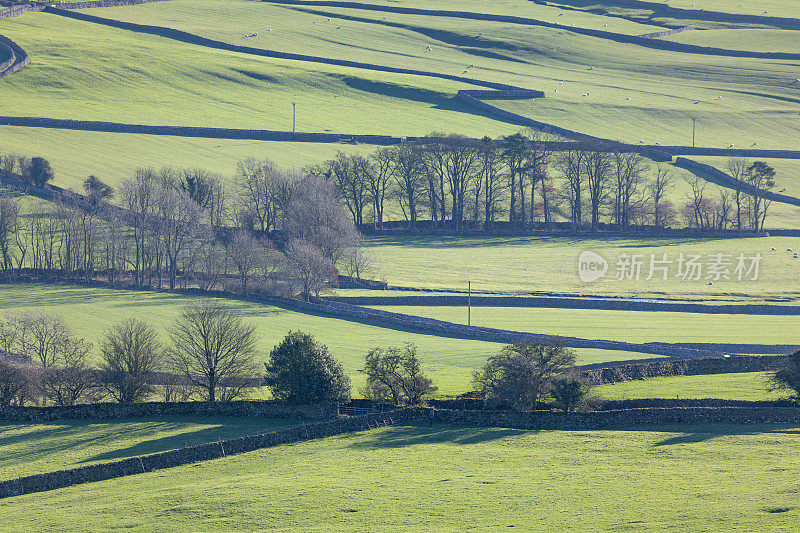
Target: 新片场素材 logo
column 591, row 266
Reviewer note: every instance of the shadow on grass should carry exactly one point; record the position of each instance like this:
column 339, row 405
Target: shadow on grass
column 46, row 441
column 402, row 436
column 198, row 436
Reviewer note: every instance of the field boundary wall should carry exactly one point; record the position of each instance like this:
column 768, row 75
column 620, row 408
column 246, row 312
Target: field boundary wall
column 596, row 420
column 187, row 455
column 607, row 304
column 112, row 411
column 605, row 373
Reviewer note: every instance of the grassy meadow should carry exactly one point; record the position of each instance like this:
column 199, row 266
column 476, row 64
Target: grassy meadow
column 130, row 77
column 113, row 157
column 752, row 386
column 550, row 265
column 630, row 326
column 36, row 448
column 91, row 312
column 694, row 478
column 635, row 93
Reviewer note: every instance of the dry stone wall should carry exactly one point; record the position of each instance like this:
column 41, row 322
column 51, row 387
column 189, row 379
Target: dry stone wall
column 602, row 373
column 182, row 456
column 111, row 411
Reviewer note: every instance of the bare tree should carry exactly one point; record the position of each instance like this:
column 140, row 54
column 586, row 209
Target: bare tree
column 379, row 181
column 357, row 260
column 179, row 217
column 246, row 254
column 316, row 217
column 659, row 187
column 264, row 191
column 570, row 164
column 70, row 380
column 214, row 350
column 628, row 169
column 696, row 200
column 737, row 166
column 9, row 227
column 762, row 177
column 352, row 175
column 598, row 169
column 490, row 176
column 309, row 267
column 41, row 337
column 17, row 382
column 130, row 354
column 409, row 173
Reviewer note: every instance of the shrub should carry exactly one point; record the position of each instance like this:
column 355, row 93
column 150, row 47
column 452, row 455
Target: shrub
column 568, row 393
column 38, row 172
column 301, row 371
column 395, row 375
column 788, row 378
column 522, row 373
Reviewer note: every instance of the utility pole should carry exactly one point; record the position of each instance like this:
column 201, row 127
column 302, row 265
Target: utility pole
column 469, row 303
column 694, row 125
column 294, row 117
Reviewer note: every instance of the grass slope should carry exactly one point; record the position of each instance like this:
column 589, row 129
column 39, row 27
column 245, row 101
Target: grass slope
column 105, row 73
column 662, row 86
column 74, row 155
column 631, row 326
column 745, row 386
column 550, row 264
column 696, row 478
column 35, row 448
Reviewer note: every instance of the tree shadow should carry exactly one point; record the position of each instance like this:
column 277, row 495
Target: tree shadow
column 403, row 436
column 199, row 436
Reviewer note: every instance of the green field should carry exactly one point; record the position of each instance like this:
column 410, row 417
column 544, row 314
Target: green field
column 131, row 77
column 751, row 386
column 550, row 265
column 74, row 155
column 36, row 448
column 693, row 478
column 629, row 326
column 661, row 93
column 91, row 312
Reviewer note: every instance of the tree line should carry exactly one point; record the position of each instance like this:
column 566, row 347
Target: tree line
column 182, row 227
column 211, row 355
column 456, row 182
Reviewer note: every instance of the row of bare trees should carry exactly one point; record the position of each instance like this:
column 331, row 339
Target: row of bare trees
column 454, row 181
column 210, row 357
column 179, row 228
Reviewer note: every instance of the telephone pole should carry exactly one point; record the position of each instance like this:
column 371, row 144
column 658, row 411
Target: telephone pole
column 469, row 303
